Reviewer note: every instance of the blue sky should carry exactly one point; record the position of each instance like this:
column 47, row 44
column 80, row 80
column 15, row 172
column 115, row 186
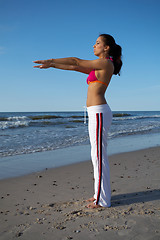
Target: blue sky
column 31, row 30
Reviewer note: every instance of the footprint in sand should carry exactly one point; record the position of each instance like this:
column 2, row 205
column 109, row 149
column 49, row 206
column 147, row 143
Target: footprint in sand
column 129, row 224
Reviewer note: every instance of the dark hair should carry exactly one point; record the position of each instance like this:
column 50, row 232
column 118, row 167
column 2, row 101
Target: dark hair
column 115, row 52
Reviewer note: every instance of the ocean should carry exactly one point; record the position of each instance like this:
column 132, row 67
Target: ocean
column 30, row 132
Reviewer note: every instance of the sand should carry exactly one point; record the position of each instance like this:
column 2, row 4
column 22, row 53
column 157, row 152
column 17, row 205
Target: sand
column 51, row 204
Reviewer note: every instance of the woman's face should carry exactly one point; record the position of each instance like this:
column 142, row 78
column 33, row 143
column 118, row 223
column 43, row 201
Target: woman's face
column 99, row 47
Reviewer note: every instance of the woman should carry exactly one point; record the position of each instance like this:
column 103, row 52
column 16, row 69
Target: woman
column 100, row 116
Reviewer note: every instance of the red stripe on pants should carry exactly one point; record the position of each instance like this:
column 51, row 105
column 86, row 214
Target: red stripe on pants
column 97, row 133
column 100, row 155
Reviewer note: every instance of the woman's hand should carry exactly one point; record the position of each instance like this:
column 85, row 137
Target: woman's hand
column 44, row 63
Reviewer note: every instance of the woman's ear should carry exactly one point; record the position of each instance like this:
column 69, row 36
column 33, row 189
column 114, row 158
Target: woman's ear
column 106, row 48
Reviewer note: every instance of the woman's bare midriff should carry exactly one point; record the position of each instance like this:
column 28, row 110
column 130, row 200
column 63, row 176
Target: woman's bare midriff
column 95, row 95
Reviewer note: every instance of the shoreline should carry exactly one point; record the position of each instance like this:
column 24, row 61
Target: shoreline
column 72, row 163
column 19, row 165
column 51, row 202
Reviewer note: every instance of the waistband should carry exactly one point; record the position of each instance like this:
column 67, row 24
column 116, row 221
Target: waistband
column 98, row 108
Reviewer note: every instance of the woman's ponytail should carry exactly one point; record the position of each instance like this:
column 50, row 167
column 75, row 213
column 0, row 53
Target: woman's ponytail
column 116, row 55
column 115, row 52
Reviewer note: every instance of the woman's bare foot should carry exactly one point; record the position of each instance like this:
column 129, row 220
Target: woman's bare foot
column 91, row 199
column 92, row 205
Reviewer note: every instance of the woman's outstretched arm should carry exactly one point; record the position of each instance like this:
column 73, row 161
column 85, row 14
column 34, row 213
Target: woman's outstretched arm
column 73, row 63
column 64, row 61
column 69, row 63
column 44, row 64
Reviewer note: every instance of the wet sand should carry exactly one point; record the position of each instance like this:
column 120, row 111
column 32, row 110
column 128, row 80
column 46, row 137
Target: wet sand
column 51, row 204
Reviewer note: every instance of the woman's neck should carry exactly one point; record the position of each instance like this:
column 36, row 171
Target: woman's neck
column 104, row 55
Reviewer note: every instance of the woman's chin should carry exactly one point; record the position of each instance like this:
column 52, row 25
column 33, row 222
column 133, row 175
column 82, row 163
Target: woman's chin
column 95, row 54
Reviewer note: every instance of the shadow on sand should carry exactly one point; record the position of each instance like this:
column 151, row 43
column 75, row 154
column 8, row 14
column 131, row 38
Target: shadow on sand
column 136, row 197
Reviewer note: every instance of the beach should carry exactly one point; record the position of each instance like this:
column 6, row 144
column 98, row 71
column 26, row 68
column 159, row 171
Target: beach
column 50, row 204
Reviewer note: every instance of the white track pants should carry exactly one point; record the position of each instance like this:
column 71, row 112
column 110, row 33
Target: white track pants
column 100, row 118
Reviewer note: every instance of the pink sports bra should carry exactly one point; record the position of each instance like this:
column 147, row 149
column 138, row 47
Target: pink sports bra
column 92, row 77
